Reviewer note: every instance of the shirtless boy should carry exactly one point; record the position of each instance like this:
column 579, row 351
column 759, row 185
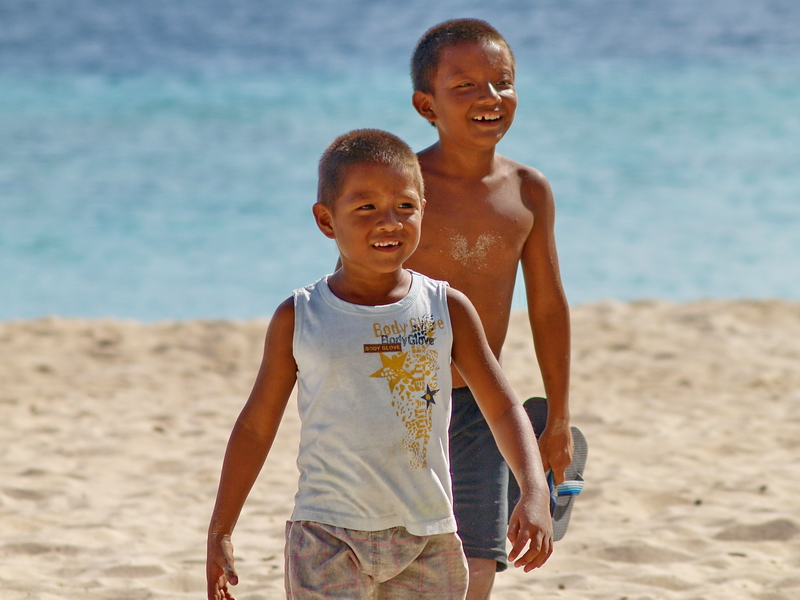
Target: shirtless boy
column 485, row 215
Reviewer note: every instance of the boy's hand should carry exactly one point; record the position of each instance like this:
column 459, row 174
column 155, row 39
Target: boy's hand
column 219, row 567
column 530, row 526
column 556, row 448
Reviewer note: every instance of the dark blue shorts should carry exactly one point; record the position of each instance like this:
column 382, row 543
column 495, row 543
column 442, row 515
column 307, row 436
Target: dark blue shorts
column 481, row 490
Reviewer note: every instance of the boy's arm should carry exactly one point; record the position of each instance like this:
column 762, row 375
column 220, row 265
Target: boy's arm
column 530, row 522
column 548, row 312
column 248, row 446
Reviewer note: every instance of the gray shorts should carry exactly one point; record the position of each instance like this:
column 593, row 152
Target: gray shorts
column 484, row 490
column 326, row 562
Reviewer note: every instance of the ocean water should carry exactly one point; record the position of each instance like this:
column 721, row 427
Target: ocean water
column 158, row 160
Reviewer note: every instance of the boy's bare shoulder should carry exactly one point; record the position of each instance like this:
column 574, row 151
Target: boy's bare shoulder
column 281, row 325
column 533, row 185
column 285, row 309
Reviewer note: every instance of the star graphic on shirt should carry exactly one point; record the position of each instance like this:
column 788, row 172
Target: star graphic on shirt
column 392, row 369
column 428, row 396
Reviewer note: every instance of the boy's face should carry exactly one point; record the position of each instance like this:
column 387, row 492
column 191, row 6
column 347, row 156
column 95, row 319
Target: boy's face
column 473, row 100
column 376, row 217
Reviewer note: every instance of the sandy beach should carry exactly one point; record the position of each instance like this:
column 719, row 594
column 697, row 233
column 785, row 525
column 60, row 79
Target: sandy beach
column 112, row 435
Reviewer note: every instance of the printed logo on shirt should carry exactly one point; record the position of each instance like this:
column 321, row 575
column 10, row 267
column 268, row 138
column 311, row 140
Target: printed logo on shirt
column 382, row 348
column 410, row 366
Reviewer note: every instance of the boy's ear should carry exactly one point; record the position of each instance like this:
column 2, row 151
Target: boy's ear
column 322, row 215
column 422, row 102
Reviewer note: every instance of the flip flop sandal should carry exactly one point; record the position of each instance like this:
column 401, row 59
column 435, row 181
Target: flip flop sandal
column 562, row 497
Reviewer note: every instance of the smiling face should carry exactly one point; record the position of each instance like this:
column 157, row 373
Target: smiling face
column 376, row 217
column 473, row 99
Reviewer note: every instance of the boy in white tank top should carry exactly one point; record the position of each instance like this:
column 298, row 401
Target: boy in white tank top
column 370, row 348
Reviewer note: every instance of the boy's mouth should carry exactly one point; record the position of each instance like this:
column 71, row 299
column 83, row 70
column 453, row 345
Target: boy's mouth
column 387, row 244
column 488, row 118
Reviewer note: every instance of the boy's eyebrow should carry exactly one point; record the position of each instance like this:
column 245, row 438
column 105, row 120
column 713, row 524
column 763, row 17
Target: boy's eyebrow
column 363, row 193
column 368, row 193
column 467, row 70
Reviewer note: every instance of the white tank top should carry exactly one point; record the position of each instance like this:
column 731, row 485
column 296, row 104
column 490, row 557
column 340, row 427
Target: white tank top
column 374, row 391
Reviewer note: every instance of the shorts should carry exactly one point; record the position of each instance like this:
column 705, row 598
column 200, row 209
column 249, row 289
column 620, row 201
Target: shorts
column 484, row 490
column 328, row 562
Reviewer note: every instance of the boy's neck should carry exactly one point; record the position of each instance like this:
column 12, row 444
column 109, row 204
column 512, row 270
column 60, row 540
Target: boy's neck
column 458, row 162
column 369, row 288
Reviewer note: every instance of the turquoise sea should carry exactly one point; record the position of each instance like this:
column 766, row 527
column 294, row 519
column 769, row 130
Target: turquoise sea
column 158, row 160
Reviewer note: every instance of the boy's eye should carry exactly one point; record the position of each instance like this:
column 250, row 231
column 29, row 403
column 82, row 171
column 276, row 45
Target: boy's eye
column 367, row 207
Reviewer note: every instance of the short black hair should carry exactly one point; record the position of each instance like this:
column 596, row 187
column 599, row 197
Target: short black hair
column 425, row 60
column 360, row 146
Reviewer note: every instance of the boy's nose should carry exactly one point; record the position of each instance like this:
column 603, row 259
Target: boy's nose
column 389, row 221
column 490, row 93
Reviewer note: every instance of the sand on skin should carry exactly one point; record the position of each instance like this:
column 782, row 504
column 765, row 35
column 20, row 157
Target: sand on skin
column 112, row 433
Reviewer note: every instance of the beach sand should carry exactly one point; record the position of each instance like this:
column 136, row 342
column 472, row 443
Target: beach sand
column 112, row 435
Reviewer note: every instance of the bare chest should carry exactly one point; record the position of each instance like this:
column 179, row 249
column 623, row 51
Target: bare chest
column 475, row 231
